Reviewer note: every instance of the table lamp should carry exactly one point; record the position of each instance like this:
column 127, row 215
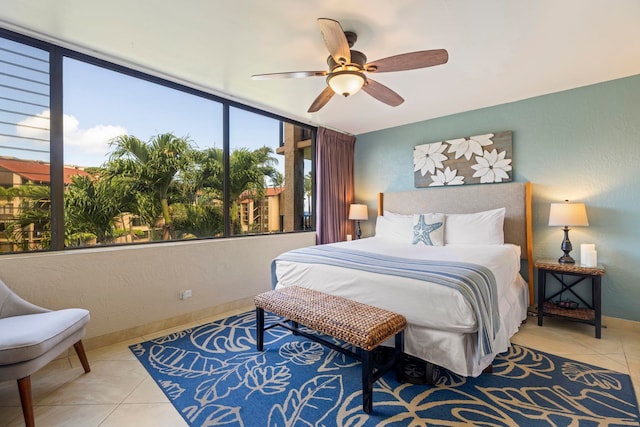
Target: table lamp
column 567, row 215
column 358, row 213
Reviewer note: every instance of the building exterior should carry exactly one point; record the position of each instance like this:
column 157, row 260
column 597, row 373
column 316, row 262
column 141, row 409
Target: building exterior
column 15, row 174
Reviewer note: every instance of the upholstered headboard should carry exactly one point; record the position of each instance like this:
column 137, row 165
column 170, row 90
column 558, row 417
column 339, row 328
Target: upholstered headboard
column 515, row 197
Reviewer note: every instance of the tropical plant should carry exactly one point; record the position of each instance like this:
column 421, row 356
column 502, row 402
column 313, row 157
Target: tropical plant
column 34, row 216
column 153, row 166
column 8, row 194
column 248, row 170
column 94, row 204
column 197, row 220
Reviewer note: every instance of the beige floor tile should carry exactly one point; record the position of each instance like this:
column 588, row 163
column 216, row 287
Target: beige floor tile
column 549, row 341
column 52, row 377
column 119, row 392
column 147, row 392
column 613, row 362
column 108, row 382
column 631, row 345
column 68, row 416
column 119, row 351
column 10, row 414
column 145, row 414
column 634, row 370
column 8, row 395
column 43, row 383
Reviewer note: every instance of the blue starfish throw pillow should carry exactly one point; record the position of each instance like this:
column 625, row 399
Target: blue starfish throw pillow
column 428, row 229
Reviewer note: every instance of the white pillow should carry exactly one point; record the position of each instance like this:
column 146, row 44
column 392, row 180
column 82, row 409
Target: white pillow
column 481, row 228
column 428, row 229
column 393, row 215
column 399, row 229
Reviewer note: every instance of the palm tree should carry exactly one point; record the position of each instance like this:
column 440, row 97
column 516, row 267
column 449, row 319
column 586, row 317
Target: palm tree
column 34, row 215
column 248, row 170
column 8, row 194
column 154, row 166
column 94, row 204
column 207, row 173
column 278, row 180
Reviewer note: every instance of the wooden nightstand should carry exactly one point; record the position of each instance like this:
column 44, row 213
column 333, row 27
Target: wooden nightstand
column 586, row 313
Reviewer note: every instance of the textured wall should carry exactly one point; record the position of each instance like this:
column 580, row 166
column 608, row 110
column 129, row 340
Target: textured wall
column 127, row 287
column 582, row 145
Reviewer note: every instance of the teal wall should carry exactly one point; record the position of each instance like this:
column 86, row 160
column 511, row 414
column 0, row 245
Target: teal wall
column 581, row 144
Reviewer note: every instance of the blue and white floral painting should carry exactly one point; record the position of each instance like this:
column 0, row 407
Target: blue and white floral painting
column 479, row 159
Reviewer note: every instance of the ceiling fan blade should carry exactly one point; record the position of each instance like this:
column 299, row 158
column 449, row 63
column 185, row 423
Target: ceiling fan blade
column 321, row 100
column 335, row 40
column 382, row 93
column 289, row 75
column 408, row 61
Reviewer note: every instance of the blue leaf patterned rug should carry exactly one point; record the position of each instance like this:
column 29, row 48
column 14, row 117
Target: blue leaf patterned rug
column 214, row 376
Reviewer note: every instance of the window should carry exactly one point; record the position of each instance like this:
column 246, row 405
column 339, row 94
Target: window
column 145, row 153
column 138, row 159
column 25, row 200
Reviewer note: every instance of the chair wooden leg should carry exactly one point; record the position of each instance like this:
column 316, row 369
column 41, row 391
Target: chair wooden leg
column 82, row 356
column 24, row 386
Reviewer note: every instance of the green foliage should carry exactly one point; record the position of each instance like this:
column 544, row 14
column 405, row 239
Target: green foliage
column 197, row 220
column 93, row 205
column 162, row 178
column 152, row 166
column 34, row 216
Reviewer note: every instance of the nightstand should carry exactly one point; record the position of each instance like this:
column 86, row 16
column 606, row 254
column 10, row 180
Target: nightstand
column 586, row 313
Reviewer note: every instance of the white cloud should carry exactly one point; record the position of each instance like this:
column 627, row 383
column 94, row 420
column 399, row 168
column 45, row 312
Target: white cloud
column 79, row 143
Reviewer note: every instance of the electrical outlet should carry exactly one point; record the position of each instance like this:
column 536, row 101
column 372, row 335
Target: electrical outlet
column 185, row 294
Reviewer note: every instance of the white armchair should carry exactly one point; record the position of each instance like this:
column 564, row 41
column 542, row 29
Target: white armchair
column 31, row 337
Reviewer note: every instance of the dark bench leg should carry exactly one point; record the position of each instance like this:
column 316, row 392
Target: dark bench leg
column 295, row 326
column 399, row 350
column 367, row 381
column 259, row 328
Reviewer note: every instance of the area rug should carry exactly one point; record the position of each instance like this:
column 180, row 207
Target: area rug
column 214, row 376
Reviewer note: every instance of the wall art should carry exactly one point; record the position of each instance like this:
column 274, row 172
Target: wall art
column 479, row 159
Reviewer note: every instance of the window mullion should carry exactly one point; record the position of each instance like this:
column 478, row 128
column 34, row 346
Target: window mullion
column 226, row 167
column 56, row 149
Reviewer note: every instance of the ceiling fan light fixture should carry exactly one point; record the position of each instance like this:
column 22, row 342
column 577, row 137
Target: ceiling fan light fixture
column 346, row 82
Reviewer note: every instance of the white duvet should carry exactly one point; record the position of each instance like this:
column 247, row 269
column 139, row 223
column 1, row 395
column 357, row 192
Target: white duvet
column 441, row 324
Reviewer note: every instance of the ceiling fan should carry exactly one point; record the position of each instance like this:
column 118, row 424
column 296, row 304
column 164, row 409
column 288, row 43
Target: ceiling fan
column 348, row 67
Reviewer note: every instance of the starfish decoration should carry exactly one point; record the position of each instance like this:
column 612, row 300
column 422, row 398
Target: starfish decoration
column 422, row 231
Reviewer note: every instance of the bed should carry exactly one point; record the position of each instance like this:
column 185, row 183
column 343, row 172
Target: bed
column 451, row 323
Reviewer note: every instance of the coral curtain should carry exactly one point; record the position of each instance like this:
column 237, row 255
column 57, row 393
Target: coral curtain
column 334, row 185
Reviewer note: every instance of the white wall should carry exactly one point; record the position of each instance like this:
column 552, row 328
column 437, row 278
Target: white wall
column 127, row 287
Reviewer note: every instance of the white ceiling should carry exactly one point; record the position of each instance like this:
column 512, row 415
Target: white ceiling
column 499, row 50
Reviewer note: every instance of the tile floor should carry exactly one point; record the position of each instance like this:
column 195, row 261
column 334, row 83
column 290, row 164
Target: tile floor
column 119, row 392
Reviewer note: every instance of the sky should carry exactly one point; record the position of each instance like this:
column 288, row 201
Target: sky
column 101, row 104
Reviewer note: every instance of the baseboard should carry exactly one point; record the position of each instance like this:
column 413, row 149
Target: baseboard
column 149, row 328
column 614, row 322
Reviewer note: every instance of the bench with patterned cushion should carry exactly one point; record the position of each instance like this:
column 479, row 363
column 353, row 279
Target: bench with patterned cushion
column 361, row 325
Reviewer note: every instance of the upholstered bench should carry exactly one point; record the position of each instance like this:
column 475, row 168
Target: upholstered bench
column 361, row 325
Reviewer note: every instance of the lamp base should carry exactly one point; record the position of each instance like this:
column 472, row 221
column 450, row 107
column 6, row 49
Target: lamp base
column 566, row 259
column 566, row 248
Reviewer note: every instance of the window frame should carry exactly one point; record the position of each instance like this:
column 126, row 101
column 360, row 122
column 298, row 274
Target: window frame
column 56, row 70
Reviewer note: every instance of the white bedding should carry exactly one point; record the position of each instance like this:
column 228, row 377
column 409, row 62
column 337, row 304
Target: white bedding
column 441, row 324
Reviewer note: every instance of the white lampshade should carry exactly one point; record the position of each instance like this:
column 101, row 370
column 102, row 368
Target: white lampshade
column 568, row 214
column 358, row 212
column 346, row 82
